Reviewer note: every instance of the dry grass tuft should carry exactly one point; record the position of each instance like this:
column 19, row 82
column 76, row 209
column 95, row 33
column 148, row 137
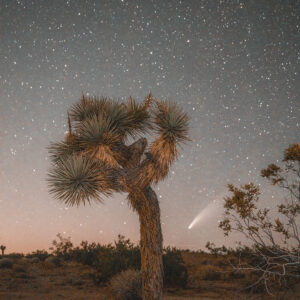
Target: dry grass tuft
column 127, row 285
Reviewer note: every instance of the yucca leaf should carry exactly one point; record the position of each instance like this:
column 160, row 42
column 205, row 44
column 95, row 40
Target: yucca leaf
column 97, row 130
column 115, row 111
column 78, row 179
column 87, row 107
column 138, row 117
column 171, row 122
column 128, row 118
column 61, row 150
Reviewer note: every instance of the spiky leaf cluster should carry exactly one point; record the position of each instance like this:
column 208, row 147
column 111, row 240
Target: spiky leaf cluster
column 97, row 130
column 171, row 122
column 62, row 150
column 78, row 179
column 94, row 153
column 139, row 117
column 87, row 107
column 114, row 117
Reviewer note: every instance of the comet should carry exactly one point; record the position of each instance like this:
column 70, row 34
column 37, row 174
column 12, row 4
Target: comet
column 196, row 219
column 207, row 211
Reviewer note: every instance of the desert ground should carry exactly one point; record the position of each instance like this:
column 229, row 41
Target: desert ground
column 209, row 278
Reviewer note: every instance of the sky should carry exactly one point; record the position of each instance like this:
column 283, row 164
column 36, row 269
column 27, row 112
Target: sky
column 233, row 66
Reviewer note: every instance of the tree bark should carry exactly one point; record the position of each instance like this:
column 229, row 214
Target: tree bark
column 151, row 246
column 145, row 203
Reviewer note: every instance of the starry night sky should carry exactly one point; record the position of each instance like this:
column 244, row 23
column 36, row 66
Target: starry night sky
column 232, row 65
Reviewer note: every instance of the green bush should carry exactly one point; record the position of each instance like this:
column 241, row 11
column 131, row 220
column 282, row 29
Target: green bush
column 40, row 254
column 112, row 260
column 217, row 250
column 14, row 256
column 62, row 248
column 127, row 285
column 86, row 253
column 175, row 272
column 34, row 260
column 109, row 260
column 125, row 255
column 6, row 263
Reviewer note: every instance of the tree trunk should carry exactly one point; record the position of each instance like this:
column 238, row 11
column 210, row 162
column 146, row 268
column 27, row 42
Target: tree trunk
column 151, row 246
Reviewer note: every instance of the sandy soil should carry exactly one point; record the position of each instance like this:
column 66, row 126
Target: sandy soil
column 72, row 281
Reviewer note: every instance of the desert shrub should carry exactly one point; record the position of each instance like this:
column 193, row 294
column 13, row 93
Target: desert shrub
column 86, row 253
column 53, row 261
column 62, row 248
column 14, row 256
column 205, row 262
column 19, row 268
column 111, row 260
column 24, row 261
column 275, row 243
column 243, row 251
column 40, row 254
column 175, row 272
column 106, row 264
column 221, row 262
column 217, row 250
column 235, row 275
column 6, row 263
column 211, row 273
column 34, row 260
column 127, row 285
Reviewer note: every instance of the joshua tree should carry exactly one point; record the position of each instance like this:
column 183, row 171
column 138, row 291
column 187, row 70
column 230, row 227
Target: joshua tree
column 2, row 247
column 95, row 160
